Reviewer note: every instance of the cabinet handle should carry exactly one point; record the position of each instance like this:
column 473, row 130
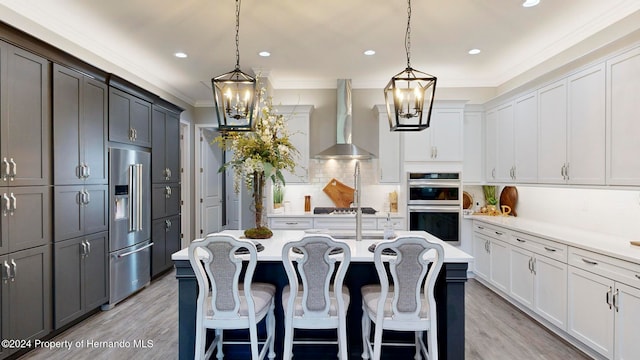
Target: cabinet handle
column 131, row 134
column 493, row 173
column 88, row 197
column 14, row 172
column 167, row 192
column 15, row 270
column 8, row 273
column 84, row 248
column 615, row 299
column 7, row 169
column 564, row 177
column 609, row 297
column 499, row 233
column 167, row 173
column 135, row 134
column 88, row 247
column 436, row 149
column 88, row 171
column 15, row 204
column 566, row 171
column 637, row 276
column 530, row 265
column 481, row 227
column 7, row 204
column 550, row 249
column 533, row 266
column 590, row 262
column 520, row 240
column 292, row 223
column 167, row 225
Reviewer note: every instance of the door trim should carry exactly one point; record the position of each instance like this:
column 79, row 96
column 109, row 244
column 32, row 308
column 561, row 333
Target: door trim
column 185, row 184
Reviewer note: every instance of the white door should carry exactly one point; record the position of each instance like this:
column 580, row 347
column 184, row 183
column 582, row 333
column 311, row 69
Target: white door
column 499, row 272
column 185, row 188
column 521, row 266
column 210, row 193
column 447, row 134
column 481, row 256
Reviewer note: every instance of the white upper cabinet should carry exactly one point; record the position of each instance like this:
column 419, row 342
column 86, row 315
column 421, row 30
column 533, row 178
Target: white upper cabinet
column 552, row 135
column 297, row 118
column 572, row 129
column 473, row 166
column 504, row 144
column 623, row 127
column 491, row 149
column 586, row 126
column 389, row 161
column 442, row 141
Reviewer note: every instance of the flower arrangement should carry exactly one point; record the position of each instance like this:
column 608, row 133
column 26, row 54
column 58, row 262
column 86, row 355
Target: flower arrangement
column 260, row 154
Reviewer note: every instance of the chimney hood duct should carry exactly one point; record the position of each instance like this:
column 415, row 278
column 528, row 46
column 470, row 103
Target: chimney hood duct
column 344, row 149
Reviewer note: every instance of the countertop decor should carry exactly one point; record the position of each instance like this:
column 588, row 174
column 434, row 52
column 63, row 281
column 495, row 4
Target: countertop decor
column 258, row 155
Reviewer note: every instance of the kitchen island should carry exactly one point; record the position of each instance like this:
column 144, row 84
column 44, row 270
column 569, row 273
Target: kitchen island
column 449, row 296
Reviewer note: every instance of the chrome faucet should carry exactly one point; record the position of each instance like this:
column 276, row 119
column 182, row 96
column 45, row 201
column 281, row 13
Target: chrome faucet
column 357, row 200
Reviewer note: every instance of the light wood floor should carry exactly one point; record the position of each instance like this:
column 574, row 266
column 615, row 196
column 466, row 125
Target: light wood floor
column 495, row 329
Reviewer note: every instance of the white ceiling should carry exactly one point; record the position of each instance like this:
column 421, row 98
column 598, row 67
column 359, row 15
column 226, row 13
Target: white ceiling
column 313, row 42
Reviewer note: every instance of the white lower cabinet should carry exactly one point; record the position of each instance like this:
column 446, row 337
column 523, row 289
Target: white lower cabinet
column 482, row 261
column 491, row 255
column 590, row 310
column 604, row 304
column 499, row 255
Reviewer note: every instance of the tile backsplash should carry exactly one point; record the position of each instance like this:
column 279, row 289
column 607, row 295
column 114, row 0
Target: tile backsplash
column 322, row 171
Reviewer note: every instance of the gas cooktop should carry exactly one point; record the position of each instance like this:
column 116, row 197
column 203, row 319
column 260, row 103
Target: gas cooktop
column 342, row 211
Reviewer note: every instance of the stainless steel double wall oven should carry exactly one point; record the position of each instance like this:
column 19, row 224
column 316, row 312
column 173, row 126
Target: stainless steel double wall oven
column 434, row 204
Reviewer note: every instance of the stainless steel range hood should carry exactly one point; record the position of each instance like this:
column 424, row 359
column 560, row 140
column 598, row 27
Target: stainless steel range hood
column 344, row 149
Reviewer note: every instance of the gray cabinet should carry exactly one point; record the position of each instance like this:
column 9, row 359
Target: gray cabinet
column 79, row 128
column 25, row 126
column 80, row 276
column 129, row 118
column 80, row 210
column 26, row 294
column 166, row 241
column 165, row 153
column 165, row 200
column 26, row 217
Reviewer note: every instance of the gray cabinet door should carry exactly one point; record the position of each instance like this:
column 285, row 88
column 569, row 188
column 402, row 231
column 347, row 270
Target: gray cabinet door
column 141, row 121
column 94, row 131
column 25, row 125
column 68, row 279
column 80, row 210
column 4, row 221
column 129, row 119
column 30, row 224
column 30, row 294
column 165, row 200
column 119, row 109
column 96, row 211
column 165, row 154
column 68, row 212
column 96, row 274
column 4, row 305
column 165, row 234
column 67, row 115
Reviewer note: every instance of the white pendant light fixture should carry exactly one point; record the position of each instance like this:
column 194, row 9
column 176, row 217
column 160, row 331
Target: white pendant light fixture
column 409, row 94
column 234, row 93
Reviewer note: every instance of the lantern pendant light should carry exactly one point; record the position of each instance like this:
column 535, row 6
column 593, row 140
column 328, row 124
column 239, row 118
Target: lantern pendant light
column 409, row 94
column 234, row 94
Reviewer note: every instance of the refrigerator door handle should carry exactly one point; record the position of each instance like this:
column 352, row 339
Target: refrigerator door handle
column 132, row 199
column 139, row 194
column 134, row 251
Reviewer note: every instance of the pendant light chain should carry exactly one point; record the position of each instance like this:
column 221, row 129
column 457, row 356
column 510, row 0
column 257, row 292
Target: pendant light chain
column 237, row 34
column 407, row 36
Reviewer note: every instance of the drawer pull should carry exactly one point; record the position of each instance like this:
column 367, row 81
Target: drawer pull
column 520, row 240
column 292, row 223
column 481, row 227
column 638, row 276
column 550, row 249
column 498, row 233
column 589, row 262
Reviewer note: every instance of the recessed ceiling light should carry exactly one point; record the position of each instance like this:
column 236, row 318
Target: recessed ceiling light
column 474, row 51
column 369, row 52
column 180, row 55
column 264, row 53
column 530, row 3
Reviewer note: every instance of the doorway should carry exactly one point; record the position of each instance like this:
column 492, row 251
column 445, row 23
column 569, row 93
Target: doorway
column 209, row 182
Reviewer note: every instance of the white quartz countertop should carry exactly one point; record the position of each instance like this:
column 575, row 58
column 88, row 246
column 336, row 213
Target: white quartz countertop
column 297, row 214
column 605, row 244
column 359, row 249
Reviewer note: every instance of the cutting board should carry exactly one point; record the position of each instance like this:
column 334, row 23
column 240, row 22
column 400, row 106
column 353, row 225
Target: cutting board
column 339, row 193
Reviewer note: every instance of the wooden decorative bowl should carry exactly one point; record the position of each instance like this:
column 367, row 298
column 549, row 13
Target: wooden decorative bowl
column 509, row 197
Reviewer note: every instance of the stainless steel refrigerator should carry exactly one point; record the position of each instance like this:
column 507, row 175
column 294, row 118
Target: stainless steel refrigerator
column 130, row 223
